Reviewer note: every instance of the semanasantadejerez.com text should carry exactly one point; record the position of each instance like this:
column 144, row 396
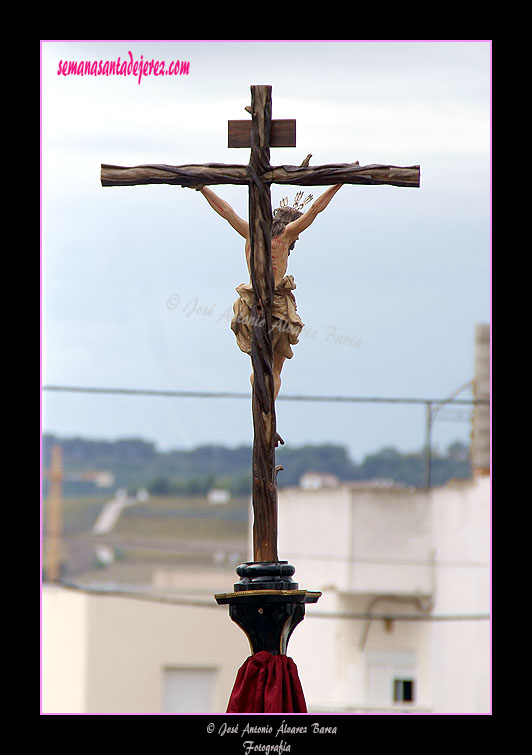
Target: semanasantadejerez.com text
column 127, row 67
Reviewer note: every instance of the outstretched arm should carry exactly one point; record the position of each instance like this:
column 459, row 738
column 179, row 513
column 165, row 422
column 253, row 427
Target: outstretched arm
column 296, row 227
column 225, row 211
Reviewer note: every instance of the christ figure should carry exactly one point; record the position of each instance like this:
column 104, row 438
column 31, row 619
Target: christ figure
column 288, row 223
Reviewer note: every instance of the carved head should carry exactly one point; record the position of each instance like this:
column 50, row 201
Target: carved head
column 281, row 217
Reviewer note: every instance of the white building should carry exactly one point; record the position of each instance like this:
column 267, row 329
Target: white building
column 316, row 480
column 417, row 560
column 108, row 654
column 403, row 622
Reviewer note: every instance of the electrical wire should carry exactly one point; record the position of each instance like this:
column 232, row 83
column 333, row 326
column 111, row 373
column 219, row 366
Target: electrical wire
column 208, row 603
column 236, row 395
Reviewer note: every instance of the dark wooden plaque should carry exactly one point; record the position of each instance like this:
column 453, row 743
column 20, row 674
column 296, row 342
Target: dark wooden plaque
column 282, row 134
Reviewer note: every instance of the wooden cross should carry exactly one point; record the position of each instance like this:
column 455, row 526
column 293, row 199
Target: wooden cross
column 260, row 134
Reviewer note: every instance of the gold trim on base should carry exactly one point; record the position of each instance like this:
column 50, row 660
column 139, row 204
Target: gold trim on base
column 260, row 592
column 243, row 593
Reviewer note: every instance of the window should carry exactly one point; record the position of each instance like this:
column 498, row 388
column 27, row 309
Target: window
column 390, row 678
column 188, row 690
column 403, row 690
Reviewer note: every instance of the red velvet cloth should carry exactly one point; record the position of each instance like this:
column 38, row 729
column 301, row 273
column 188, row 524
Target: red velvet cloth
column 267, row 683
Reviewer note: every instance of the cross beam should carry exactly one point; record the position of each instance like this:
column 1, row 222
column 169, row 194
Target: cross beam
column 211, row 174
column 258, row 175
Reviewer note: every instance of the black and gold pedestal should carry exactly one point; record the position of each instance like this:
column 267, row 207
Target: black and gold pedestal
column 267, row 604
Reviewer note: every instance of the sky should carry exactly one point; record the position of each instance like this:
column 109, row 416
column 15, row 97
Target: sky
column 138, row 282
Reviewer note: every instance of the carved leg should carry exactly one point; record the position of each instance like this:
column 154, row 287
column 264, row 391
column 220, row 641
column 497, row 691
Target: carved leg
column 277, row 367
column 278, row 362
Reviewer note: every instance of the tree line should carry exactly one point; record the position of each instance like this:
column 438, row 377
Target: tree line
column 136, row 463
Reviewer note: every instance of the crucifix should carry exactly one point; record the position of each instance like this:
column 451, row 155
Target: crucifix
column 260, row 134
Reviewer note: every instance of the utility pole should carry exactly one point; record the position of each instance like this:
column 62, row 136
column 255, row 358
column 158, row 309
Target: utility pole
column 55, row 475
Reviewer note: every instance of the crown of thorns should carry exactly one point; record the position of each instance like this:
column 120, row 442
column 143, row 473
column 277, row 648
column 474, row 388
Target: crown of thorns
column 297, row 204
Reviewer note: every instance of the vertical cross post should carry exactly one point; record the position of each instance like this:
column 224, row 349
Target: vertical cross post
column 263, row 403
column 266, row 603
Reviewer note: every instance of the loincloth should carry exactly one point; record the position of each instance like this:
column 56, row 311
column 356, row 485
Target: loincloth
column 286, row 323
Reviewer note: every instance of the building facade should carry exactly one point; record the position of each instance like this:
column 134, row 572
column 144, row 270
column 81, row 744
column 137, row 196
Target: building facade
column 108, row 654
column 403, row 621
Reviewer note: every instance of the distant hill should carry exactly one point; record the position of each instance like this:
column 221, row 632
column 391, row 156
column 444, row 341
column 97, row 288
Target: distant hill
column 136, row 463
